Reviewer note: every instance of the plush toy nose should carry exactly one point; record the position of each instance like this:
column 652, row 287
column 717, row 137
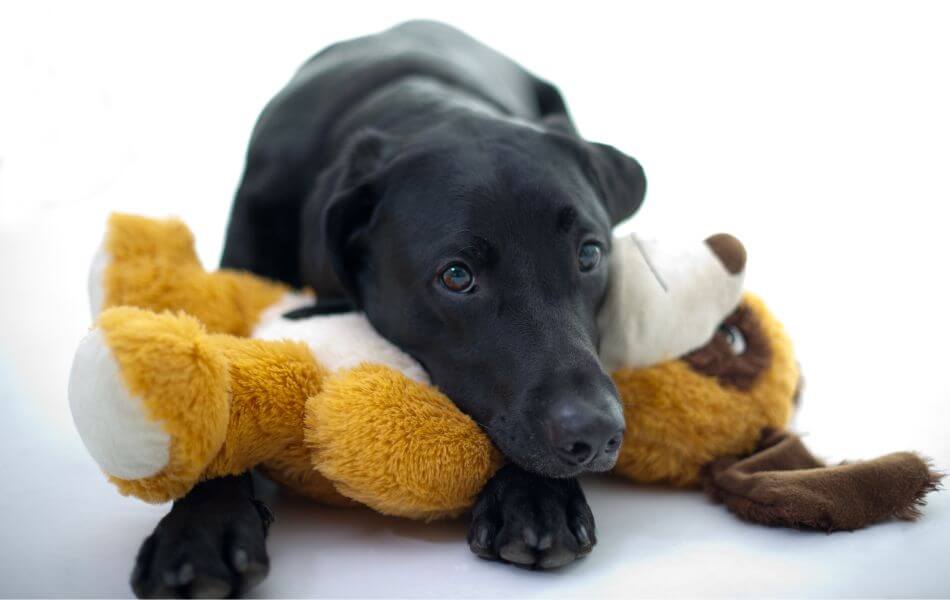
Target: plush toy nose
column 580, row 431
column 729, row 251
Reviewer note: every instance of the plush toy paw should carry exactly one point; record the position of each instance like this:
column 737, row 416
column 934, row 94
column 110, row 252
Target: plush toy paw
column 152, row 264
column 782, row 483
column 531, row 521
column 149, row 399
column 148, row 251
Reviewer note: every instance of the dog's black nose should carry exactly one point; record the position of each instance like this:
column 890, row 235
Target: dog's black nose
column 580, row 431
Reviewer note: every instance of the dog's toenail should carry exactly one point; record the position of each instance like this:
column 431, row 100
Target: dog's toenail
column 481, row 536
column 582, row 536
column 530, row 537
column 546, row 541
column 186, row 573
column 240, row 560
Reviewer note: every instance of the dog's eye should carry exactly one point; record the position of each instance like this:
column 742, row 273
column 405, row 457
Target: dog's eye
column 589, row 256
column 735, row 339
column 457, row 278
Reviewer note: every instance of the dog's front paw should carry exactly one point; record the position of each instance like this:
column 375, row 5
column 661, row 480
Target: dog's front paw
column 209, row 546
column 531, row 521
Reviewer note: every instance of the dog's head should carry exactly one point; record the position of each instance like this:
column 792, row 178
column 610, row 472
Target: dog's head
column 485, row 256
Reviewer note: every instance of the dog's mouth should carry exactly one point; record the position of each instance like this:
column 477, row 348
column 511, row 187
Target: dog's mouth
column 556, row 469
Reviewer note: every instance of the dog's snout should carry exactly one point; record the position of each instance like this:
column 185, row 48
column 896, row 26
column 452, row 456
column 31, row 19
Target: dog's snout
column 580, row 432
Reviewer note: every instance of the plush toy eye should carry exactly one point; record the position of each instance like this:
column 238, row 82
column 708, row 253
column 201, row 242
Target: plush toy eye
column 588, row 257
column 457, row 278
column 735, row 338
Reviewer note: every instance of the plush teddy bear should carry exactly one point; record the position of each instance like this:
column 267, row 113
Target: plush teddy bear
column 189, row 375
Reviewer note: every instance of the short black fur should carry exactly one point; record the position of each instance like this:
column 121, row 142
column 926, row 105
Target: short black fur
column 387, row 159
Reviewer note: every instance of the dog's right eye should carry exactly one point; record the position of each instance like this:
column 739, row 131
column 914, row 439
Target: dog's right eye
column 589, row 255
column 457, row 278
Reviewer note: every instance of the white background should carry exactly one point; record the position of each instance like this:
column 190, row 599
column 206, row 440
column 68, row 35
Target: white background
column 817, row 132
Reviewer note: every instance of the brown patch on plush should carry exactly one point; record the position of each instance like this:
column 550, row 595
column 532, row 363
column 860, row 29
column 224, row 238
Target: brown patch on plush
column 734, row 366
column 679, row 419
column 730, row 251
column 782, row 483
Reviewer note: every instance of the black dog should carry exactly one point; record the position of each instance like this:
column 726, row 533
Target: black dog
column 425, row 179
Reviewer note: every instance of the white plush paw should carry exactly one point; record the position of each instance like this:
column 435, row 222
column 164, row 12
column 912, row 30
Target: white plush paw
column 96, row 281
column 112, row 423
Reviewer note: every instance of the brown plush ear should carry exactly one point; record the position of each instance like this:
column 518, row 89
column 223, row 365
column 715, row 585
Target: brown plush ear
column 783, row 484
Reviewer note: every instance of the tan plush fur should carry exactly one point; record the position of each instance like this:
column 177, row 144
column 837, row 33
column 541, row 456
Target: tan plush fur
column 182, row 379
column 397, row 445
column 227, row 403
column 367, row 434
column 270, row 385
column 153, row 265
column 230, row 404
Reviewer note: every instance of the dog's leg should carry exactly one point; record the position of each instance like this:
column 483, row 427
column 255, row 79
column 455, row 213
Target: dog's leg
column 781, row 483
column 531, row 520
column 211, row 544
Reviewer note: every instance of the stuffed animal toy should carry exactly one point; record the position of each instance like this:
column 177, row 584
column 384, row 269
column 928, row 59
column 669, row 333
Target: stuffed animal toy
column 189, row 375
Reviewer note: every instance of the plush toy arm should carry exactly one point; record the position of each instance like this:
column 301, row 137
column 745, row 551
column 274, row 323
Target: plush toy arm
column 151, row 263
column 397, row 445
column 161, row 404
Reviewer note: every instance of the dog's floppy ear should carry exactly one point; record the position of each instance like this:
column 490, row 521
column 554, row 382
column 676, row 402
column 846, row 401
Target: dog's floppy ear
column 620, row 180
column 336, row 217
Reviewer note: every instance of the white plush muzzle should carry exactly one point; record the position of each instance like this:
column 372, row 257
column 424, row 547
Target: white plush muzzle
column 664, row 301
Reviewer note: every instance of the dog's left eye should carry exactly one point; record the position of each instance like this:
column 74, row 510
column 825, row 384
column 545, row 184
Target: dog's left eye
column 589, row 256
column 458, row 278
